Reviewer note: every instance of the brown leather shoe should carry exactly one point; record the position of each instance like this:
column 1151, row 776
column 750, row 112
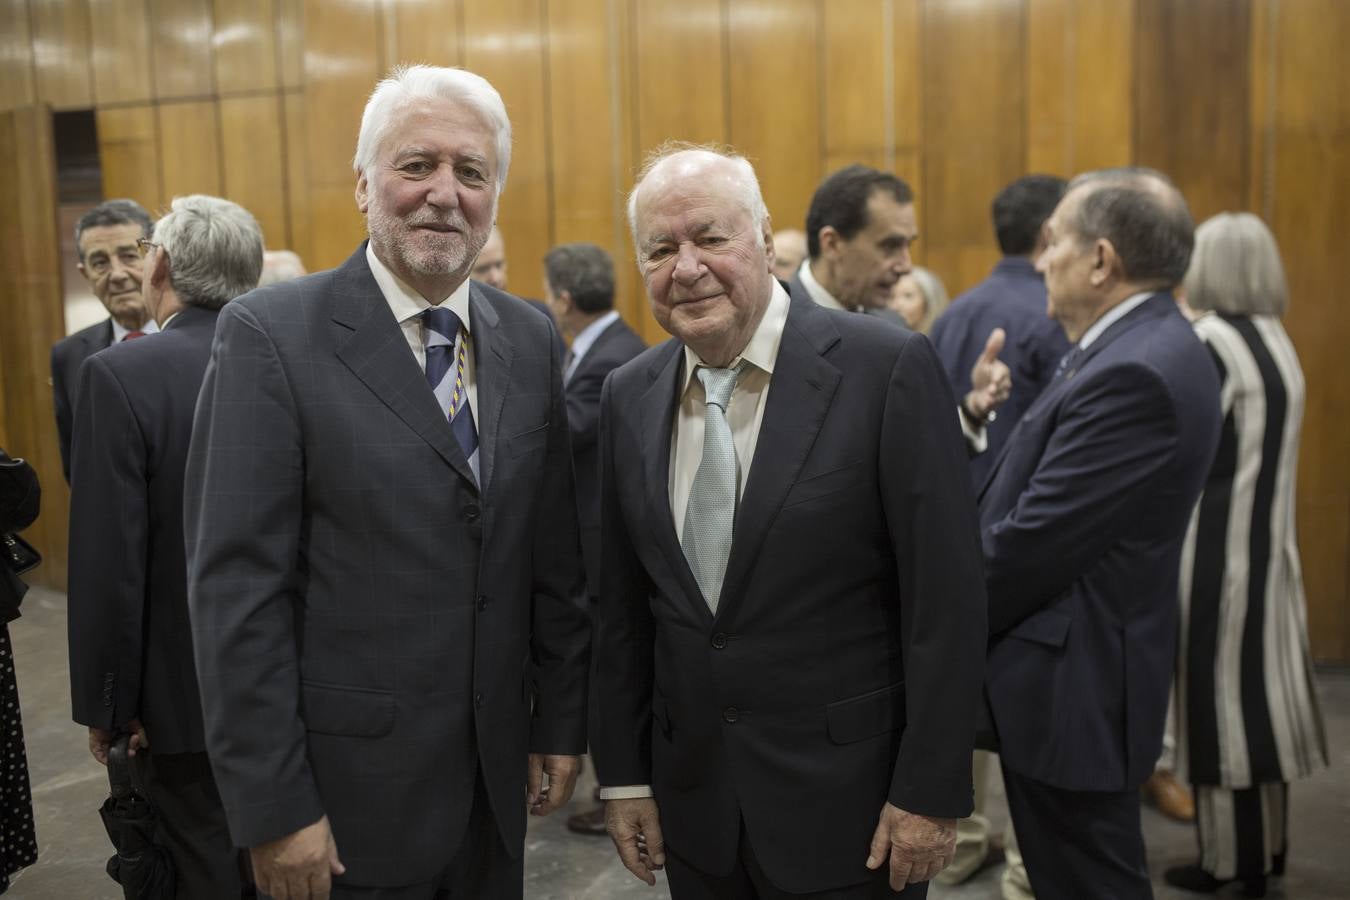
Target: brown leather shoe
column 1172, row 798
column 592, row 823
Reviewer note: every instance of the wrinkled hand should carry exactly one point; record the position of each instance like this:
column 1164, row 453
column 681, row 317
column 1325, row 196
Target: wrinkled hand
column 299, row 866
column 100, row 741
column 919, row 847
column 990, row 379
column 635, row 828
column 549, row 781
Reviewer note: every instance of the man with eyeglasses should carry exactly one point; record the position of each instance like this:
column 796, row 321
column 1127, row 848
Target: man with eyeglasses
column 106, row 240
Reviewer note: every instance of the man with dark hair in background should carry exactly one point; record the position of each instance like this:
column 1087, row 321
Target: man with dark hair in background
column 131, row 665
column 579, row 286
column 1082, row 519
column 105, row 238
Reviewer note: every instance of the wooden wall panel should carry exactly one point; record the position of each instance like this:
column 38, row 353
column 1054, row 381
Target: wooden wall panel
column 775, row 100
column 189, row 148
column 16, row 56
column 245, row 45
column 291, row 42
column 674, row 99
column 30, row 306
column 62, row 48
column 299, row 235
column 907, row 62
column 424, row 31
column 253, row 162
column 128, row 148
column 182, row 33
column 858, row 123
column 974, row 125
column 1197, row 136
column 506, row 44
column 1080, row 85
column 341, row 67
column 121, row 54
column 1311, row 179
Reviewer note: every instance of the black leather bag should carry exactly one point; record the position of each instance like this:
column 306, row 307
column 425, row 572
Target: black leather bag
column 19, row 555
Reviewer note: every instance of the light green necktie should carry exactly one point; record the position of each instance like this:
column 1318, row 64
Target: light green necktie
column 712, row 499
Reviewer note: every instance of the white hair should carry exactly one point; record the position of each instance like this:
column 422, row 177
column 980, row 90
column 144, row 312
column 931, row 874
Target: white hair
column 743, row 182
column 215, row 249
column 407, row 84
column 935, row 298
column 1236, row 268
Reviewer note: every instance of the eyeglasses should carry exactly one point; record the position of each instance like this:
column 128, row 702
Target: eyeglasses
column 143, row 246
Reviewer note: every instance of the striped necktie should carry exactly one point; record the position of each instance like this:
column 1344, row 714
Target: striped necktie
column 711, row 512
column 446, row 373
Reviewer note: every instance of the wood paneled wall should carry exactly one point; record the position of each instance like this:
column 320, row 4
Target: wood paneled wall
column 1243, row 102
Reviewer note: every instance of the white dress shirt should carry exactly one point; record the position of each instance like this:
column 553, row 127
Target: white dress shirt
column 745, row 415
column 1111, row 317
column 814, row 288
column 407, row 306
column 586, row 339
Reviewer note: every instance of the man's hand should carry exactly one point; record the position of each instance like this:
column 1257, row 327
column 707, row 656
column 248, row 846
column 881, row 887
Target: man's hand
column 635, row 828
column 919, row 847
column 100, row 741
column 549, row 781
column 299, row 866
column 990, row 379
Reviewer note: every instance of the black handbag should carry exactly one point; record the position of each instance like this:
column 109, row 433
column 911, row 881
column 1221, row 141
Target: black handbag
column 18, row 554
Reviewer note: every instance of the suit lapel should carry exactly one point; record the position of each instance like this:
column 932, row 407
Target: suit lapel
column 658, row 421
column 376, row 351
column 800, row 392
column 493, row 355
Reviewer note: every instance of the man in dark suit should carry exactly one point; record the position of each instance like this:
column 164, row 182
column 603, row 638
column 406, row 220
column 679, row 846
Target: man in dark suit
column 1011, row 298
column 384, row 571
column 1083, row 517
column 106, row 240
column 131, row 666
column 579, row 285
column 790, row 603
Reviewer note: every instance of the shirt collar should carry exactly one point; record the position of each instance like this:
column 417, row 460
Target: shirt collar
column 763, row 347
column 813, row 288
column 406, row 303
column 120, row 333
column 1111, row 317
column 587, row 337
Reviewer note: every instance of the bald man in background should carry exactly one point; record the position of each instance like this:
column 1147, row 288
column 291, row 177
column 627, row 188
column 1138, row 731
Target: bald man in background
column 789, row 249
column 490, row 269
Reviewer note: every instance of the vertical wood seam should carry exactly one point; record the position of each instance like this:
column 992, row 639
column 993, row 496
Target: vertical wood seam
column 1268, row 126
column 888, row 82
column 546, row 65
column 724, row 18
column 618, row 212
column 822, row 112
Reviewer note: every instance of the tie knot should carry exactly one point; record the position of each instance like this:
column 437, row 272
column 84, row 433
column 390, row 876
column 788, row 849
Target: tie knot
column 719, row 383
column 443, row 321
column 132, row 335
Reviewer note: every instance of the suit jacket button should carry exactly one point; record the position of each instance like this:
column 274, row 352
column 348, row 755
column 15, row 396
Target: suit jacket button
column 478, row 699
column 482, row 603
column 730, row 714
column 471, row 513
column 719, row 641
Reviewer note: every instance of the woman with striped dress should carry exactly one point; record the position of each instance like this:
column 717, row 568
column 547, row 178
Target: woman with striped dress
column 1250, row 722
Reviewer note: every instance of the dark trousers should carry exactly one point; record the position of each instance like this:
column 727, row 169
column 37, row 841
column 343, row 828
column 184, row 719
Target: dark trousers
column 747, row 881
column 191, row 826
column 481, row 870
column 1078, row 844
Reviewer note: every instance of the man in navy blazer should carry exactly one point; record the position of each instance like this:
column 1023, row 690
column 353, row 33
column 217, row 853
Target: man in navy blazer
column 1083, row 517
column 105, row 238
column 131, row 663
column 385, row 581
column 791, row 611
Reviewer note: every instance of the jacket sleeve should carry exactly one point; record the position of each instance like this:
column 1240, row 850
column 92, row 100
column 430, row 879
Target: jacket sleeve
column 243, row 515
column 930, row 509
column 61, row 404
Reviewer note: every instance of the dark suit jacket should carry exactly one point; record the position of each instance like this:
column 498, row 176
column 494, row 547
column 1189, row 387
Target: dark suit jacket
column 1011, row 298
column 20, row 498
column 843, row 666
column 1083, row 519
column 68, row 354
column 372, row 629
column 615, row 346
column 130, row 640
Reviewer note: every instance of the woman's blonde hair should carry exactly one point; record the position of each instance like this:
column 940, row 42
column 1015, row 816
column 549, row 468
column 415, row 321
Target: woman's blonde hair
column 1236, row 268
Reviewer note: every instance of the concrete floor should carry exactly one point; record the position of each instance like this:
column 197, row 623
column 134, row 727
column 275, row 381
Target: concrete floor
column 68, row 787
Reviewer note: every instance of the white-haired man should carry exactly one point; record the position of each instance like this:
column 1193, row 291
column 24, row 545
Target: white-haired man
column 130, row 643
column 386, row 587
column 791, row 612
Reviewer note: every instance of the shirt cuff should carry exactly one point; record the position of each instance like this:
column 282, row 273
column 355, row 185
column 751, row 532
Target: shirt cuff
column 977, row 436
column 626, row 792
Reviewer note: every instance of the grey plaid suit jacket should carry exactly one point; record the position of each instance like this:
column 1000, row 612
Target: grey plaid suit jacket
column 371, row 628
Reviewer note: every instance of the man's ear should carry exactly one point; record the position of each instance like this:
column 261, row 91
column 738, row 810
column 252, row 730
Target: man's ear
column 565, row 300
column 829, row 240
column 84, row 272
column 362, row 194
column 159, row 269
column 1104, row 262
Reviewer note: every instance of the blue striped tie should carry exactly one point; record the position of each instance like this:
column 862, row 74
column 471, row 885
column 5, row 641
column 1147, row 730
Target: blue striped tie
column 448, row 379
